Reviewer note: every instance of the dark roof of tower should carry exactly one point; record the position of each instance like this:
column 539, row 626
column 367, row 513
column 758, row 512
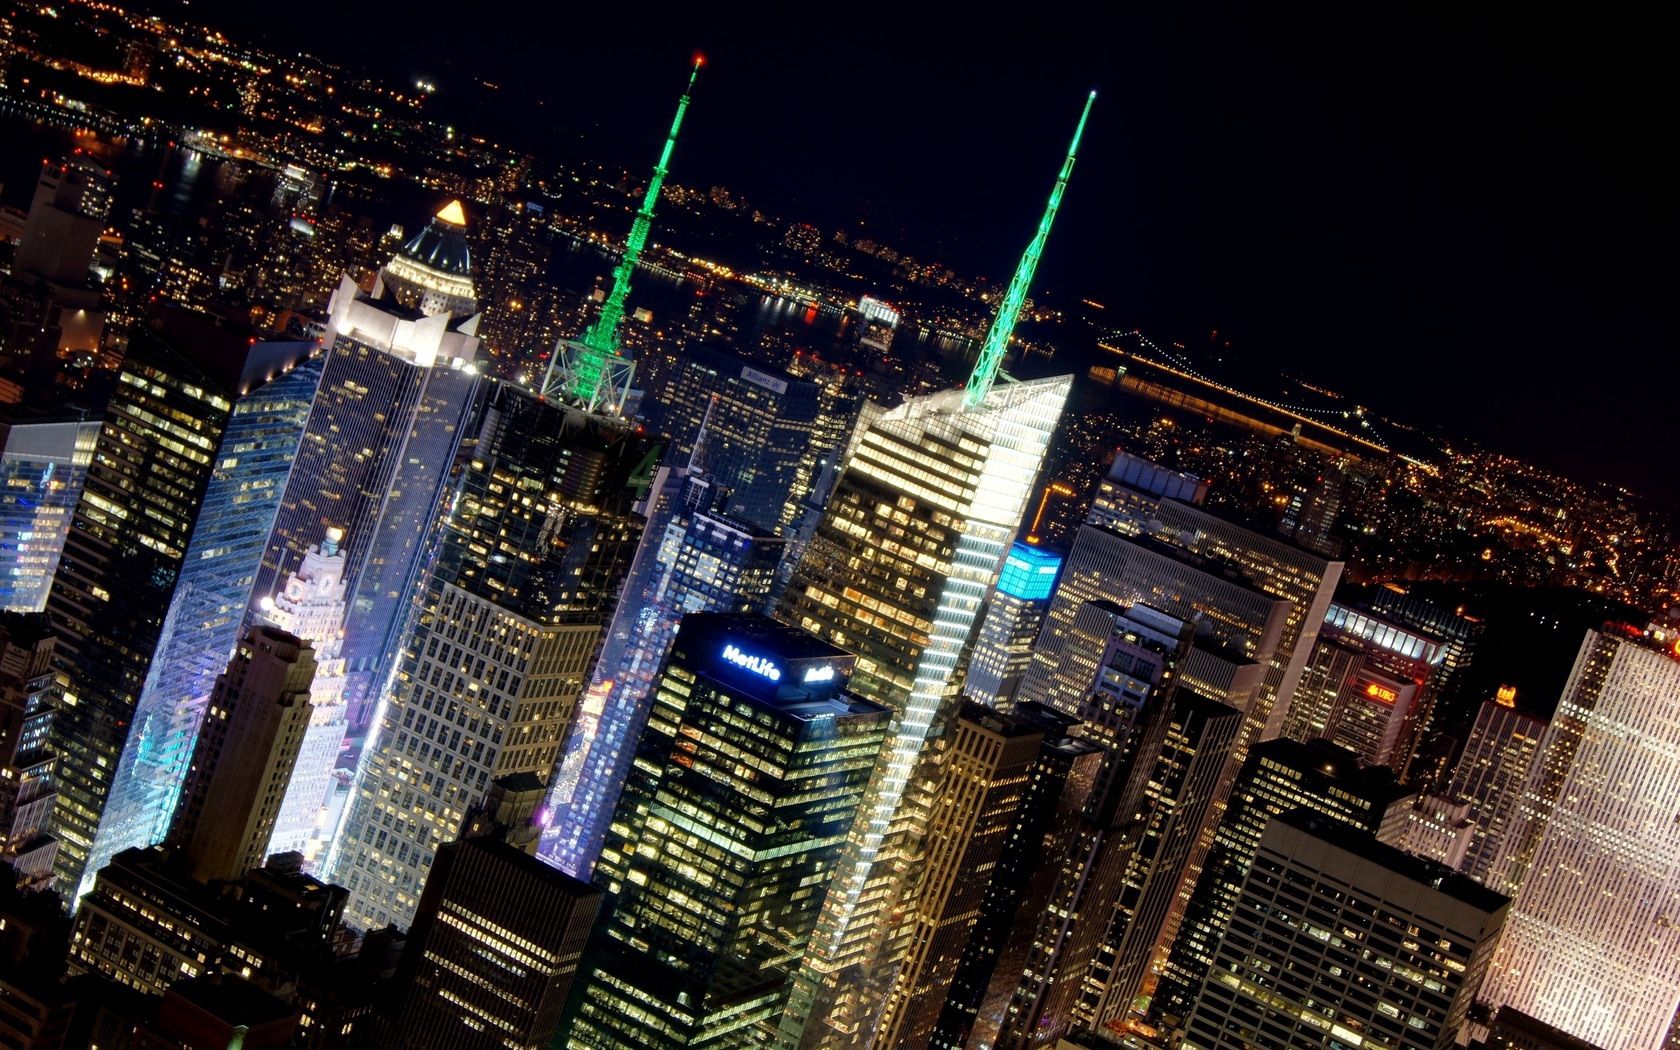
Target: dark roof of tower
column 442, row 245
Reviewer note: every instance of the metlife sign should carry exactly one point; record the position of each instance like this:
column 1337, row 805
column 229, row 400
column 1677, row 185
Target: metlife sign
column 758, row 665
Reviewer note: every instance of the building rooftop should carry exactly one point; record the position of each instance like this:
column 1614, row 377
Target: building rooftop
column 442, row 244
column 1418, row 869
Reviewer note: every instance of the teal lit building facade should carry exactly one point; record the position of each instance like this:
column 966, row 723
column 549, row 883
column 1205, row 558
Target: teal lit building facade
column 745, row 783
column 1014, row 616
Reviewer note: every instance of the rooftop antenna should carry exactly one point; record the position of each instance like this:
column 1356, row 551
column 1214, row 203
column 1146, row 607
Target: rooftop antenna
column 593, row 372
column 992, row 351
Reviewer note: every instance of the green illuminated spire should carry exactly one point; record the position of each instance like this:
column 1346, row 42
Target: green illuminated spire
column 1009, row 310
column 601, row 341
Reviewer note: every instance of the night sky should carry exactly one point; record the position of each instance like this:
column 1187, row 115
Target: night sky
column 1457, row 218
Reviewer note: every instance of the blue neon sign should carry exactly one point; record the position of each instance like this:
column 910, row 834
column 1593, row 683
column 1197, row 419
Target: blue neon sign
column 759, row 665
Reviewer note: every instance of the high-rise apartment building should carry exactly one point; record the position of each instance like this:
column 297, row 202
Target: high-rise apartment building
column 1492, row 773
column 1337, row 940
column 1014, row 616
column 1278, row 776
column 42, row 466
column 750, row 771
column 242, row 762
column 1593, row 945
column 535, row 546
column 175, row 396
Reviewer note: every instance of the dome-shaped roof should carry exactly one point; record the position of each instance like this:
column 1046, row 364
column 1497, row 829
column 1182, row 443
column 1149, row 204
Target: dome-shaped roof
column 442, row 245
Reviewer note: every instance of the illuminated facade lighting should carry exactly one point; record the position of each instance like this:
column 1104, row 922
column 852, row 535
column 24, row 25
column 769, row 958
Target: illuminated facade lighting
column 1337, row 940
column 489, row 673
column 1593, row 944
column 748, row 776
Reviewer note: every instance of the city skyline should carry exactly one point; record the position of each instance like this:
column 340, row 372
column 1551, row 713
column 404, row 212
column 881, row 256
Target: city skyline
column 465, row 586
column 1378, row 204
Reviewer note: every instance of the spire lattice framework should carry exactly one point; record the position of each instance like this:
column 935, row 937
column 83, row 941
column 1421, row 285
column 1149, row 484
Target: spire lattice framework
column 593, row 371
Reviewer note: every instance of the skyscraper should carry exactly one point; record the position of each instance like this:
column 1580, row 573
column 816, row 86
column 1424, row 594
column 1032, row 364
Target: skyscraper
column 1368, row 685
column 983, row 786
column 156, row 454
column 946, row 545
column 1279, row 776
column 1139, row 498
column 1019, row 888
column 750, row 771
column 758, row 423
column 1492, row 773
column 311, row 606
column 691, row 559
column 397, row 397
column 929, row 498
column 1337, row 940
column 361, row 443
column 532, row 553
column 207, row 615
column 1104, row 565
column 1165, row 768
column 1592, row 945
column 27, row 788
column 243, row 758
column 432, row 273
column 42, row 466
column 1014, row 616
column 497, row 937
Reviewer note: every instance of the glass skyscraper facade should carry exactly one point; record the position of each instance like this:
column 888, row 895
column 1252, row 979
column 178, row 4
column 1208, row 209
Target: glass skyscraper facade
column 361, row 442
column 698, row 560
column 914, row 536
column 157, row 452
column 537, row 540
column 1014, row 616
column 206, row 617
column 42, row 467
column 758, row 425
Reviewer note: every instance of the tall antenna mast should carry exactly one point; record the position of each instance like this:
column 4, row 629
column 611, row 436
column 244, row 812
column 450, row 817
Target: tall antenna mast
column 992, row 351
column 597, row 360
